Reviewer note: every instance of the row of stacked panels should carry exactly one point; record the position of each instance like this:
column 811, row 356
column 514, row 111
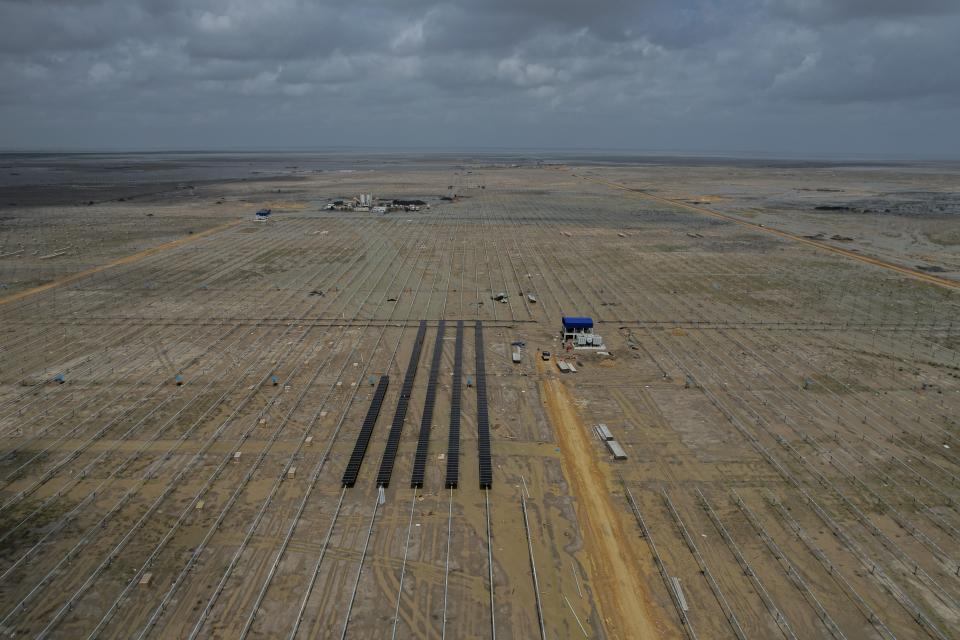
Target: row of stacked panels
column 453, row 444
column 483, row 418
column 423, row 441
column 453, row 447
column 400, row 414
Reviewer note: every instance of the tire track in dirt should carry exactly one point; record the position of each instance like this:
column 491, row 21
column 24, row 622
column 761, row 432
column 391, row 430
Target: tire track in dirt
column 129, row 259
column 613, row 564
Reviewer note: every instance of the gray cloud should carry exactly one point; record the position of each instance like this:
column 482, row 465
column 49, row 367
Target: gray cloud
column 774, row 75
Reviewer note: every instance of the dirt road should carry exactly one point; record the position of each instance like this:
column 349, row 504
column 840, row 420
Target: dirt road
column 134, row 257
column 847, row 253
column 613, row 563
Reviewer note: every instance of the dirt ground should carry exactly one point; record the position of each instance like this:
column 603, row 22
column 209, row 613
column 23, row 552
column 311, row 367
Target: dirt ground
column 615, row 565
column 181, row 389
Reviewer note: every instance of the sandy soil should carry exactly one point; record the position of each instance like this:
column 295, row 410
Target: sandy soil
column 614, row 565
column 823, row 390
column 125, row 260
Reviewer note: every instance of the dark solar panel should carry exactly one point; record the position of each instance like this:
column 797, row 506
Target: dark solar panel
column 483, row 418
column 366, row 430
column 396, row 428
column 423, row 442
column 453, row 445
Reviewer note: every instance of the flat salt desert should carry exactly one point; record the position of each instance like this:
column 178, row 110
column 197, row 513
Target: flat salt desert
column 783, row 378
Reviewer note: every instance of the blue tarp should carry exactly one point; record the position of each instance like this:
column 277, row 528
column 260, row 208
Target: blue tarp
column 263, row 213
column 574, row 322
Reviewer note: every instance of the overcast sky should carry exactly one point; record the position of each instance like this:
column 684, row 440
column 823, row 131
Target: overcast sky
column 782, row 76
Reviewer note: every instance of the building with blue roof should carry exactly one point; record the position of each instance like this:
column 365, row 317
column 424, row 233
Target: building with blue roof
column 578, row 333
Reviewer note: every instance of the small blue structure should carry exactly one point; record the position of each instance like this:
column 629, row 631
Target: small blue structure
column 573, row 325
column 178, row 379
column 263, row 214
column 275, row 380
column 578, row 333
column 59, row 378
column 577, row 322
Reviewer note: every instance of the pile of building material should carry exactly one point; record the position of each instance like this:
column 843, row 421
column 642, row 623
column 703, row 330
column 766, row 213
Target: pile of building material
column 606, row 436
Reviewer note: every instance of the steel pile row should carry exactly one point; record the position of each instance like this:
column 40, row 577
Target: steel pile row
column 423, row 441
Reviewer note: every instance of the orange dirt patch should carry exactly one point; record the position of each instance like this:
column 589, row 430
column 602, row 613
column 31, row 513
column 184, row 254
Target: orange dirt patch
column 613, row 564
column 876, row 262
column 293, row 205
column 133, row 257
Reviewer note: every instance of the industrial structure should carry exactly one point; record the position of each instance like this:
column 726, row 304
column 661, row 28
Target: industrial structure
column 578, row 333
column 366, row 202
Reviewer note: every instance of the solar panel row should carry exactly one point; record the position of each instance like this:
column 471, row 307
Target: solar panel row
column 483, row 419
column 453, row 444
column 403, row 402
column 423, row 442
column 360, row 448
